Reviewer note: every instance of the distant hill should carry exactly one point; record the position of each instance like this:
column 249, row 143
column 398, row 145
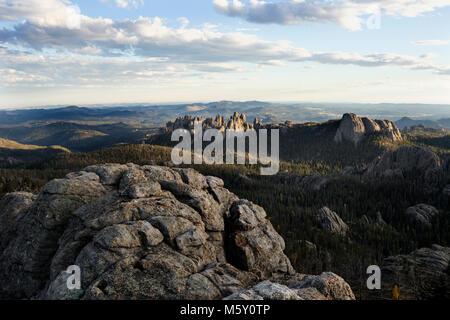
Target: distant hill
column 13, row 153
column 76, row 137
column 312, row 141
column 148, row 115
column 9, row 144
column 405, row 122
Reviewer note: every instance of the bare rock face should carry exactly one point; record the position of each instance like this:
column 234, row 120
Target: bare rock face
column 27, row 253
column 253, row 244
column 236, row 122
column 422, row 274
column 326, row 286
column 353, row 128
column 405, row 160
column 266, row 290
column 14, row 205
column 141, row 232
column 330, row 221
column 422, row 213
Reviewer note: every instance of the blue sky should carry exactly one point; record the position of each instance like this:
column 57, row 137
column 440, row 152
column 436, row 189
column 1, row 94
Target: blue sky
column 58, row 52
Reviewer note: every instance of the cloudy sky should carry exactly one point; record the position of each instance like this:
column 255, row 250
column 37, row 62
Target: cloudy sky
column 57, row 52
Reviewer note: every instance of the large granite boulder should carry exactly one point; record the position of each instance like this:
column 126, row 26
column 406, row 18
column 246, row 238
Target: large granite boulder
column 327, row 286
column 422, row 213
column 142, row 232
column 403, row 161
column 330, row 221
column 353, row 129
column 423, row 274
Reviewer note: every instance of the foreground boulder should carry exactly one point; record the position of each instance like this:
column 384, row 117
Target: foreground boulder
column 145, row 232
column 326, row 286
column 423, row 274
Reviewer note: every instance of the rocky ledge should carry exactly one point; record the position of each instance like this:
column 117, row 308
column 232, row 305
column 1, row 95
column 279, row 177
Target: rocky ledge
column 147, row 232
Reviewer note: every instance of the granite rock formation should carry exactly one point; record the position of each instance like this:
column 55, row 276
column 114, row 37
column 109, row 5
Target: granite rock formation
column 146, row 232
column 422, row 274
column 236, row 122
column 326, row 286
column 330, row 221
column 352, row 128
column 403, row 161
column 422, row 213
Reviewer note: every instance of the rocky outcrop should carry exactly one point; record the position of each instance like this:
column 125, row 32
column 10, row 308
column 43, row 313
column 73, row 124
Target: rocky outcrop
column 15, row 204
column 330, row 221
column 406, row 160
column 143, row 232
column 422, row 213
column 326, row 286
column 236, row 122
column 423, row 274
column 353, row 128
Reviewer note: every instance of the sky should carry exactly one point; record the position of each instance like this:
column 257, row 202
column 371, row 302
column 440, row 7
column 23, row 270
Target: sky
column 60, row 52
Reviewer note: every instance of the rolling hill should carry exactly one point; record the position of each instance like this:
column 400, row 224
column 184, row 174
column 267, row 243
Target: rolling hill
column 14, row 153
column 74, row 136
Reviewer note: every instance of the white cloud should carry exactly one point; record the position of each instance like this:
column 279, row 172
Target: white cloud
column 109, row 51
column 431, row 42
column 184, row 22
column 232, row 8
column 49, row 13
column 129, row 3
column 88, row 50
column 428, row 55
column 126, row 4
column 346, row 13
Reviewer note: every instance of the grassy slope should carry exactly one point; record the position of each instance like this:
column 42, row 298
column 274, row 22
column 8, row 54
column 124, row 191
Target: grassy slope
column 13, row 145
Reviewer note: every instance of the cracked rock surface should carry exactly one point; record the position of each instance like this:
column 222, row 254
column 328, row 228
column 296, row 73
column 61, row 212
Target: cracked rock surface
column 147, row 232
